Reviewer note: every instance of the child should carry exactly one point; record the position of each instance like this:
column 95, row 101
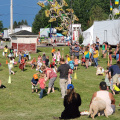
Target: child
column 58, row 56
column 76, row 62
column 53, row 50
column 33, row 63
column 53, row 66
column 71, row 64
column 107, row 78
column 34, row 82
column 20, row 55
column 67, row 59
column 10, row 65
column 54, row 57
column 83, row 60
column 43, row 57
column 47, row 61
column 39, row 64
column 42, row 84
column 22, row 64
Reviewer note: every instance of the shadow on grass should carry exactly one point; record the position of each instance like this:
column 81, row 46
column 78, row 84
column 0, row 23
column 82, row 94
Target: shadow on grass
column 1, row 69
column 38, row 51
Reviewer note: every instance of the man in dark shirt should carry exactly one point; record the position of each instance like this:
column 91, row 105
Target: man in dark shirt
column 64, row 70
column 114, row 73
column 76, row 51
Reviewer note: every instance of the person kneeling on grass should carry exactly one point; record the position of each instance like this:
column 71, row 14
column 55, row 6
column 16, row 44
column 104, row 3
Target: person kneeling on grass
column 107, row 97
column 34, row 82
column 42, row 84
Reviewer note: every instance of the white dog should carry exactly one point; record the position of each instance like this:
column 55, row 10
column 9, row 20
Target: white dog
column 97, row 106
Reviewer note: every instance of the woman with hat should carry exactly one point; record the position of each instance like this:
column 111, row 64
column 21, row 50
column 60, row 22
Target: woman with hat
column 72, row 101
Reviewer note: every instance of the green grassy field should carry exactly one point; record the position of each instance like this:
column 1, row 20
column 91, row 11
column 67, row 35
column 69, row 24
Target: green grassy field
column 17, row 102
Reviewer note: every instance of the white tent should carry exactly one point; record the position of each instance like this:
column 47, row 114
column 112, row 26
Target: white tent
column 106, row 31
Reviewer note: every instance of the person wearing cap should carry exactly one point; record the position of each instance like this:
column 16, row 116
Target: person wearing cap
column 107, row 97
column 34, row 82
column 76, row 51
column 64, row 69
column 72, row 101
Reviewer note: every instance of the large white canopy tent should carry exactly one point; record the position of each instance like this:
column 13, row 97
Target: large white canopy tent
column 106, row 31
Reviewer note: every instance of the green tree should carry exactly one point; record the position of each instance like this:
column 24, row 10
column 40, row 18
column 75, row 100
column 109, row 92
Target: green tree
column 97, row 13
column 1, row 26
column 15, row 24
column 26, row 23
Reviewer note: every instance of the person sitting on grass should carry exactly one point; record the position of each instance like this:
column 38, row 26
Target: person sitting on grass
column 34, row 82
column 72, row 101
column 33, row 63
column 107, row 97
column 42, row 84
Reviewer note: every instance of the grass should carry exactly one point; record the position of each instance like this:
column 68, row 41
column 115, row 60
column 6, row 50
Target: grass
column 17, row 102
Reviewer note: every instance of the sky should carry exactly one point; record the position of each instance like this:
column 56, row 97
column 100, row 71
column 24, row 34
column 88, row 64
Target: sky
column 22, row 10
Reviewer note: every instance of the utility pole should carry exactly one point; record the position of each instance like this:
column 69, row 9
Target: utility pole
column 71, row 23
column 11, row 16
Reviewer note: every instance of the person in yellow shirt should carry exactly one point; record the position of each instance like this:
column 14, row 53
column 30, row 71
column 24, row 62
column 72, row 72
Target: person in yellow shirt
column 87, row 56
column 95, row 56
column 53, row 50
column 5, row 50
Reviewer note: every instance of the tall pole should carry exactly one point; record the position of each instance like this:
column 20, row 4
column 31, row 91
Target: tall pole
column 11, row 16
column 71, row 22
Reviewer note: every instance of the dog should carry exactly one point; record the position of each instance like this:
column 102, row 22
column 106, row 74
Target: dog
column 97, row 106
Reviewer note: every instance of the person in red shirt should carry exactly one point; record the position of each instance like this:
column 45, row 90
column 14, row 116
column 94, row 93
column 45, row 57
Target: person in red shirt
column 22, row 63
column 42, row 84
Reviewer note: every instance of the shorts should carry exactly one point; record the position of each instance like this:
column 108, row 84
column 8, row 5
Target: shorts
column 5, row 52
column 76, row 65
column 103, row 51
column 51, row 82
column 115, row 78
column 34, row 87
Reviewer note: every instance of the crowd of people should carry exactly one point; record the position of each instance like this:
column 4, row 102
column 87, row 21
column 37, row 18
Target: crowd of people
column 46, row 70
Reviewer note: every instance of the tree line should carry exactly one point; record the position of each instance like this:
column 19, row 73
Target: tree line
column 86, row 10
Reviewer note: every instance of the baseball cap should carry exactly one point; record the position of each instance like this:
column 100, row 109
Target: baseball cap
column 70, row 86
column 35, row 76
column 103, row 86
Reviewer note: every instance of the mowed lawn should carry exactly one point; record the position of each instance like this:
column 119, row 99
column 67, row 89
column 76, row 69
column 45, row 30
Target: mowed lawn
column 17, row 102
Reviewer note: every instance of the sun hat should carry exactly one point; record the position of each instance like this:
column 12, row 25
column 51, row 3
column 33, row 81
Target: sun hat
column 35, row 76
column 70, row 86
column 103, row 86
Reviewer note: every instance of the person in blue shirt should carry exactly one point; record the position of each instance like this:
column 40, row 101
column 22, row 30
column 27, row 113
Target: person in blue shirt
column 114, row 74
column 76, row 51
column 34, row 82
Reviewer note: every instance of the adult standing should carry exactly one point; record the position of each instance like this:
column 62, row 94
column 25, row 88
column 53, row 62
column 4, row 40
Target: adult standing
column 64, row 69
column 52, row 76
column 76, row 51
column 72, row 101
column 107, row 97
column 71, row 49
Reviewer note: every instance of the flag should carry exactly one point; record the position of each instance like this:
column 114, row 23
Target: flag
column 110, row 5
column 116, row 2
